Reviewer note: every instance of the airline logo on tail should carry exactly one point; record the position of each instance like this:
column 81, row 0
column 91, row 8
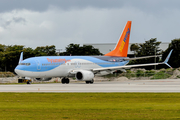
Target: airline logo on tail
column 121, row 48
column 124, row 41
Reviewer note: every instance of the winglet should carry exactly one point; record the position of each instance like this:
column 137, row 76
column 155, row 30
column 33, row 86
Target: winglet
column 21, row 57
column 167, row 59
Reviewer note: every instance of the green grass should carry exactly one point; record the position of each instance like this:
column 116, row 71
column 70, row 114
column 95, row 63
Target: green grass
column 89, row 106
column 161, row 75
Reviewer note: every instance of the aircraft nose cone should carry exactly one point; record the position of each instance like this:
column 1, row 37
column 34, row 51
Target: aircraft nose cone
column 19, row 72
column 16, row 71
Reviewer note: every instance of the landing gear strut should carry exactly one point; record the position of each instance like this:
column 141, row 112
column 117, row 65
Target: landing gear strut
column 90, row 82
column 65, row 80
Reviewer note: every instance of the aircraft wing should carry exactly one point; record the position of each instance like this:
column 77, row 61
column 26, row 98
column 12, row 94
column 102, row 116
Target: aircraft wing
column 137, row 65
column 115, row 68
column 136, row 58
column 126, row 66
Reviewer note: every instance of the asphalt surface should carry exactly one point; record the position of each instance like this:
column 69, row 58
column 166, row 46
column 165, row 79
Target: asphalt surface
column 165, row 85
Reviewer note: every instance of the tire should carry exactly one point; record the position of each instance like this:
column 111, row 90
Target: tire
column 91, row 82
column 28, row 82
column 67, row 80
column 87, row 82
column 63, row 81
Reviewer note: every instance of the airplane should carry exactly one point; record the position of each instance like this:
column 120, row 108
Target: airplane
column 83, row 68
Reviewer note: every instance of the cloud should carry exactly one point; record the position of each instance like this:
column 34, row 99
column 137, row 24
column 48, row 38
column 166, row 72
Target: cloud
column 39, row 5
column 5, row 23
column 86, row 24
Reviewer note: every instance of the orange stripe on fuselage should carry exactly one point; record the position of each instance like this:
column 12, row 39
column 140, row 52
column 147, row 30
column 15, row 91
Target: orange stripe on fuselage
column 123, row 43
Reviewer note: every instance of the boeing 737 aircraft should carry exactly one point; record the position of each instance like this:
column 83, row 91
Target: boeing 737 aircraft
column 83, row 68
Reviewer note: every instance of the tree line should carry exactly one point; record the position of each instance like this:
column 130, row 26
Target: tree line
column 9, row 55
column 151, row 47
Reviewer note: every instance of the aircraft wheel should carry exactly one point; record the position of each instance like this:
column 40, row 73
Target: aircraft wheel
column 67, row 80
column 87, row 82
column 28, row 82
column 91, row 82
column 63, row 81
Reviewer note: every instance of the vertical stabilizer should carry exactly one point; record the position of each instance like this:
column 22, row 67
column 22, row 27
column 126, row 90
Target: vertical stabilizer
column 121, row 48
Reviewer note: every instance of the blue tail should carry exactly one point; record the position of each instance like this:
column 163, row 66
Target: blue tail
column 167, row 59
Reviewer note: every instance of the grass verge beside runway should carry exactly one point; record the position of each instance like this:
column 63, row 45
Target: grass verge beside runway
column 94, row 106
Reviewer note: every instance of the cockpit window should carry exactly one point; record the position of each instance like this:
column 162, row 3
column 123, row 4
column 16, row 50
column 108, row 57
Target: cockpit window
column 27, row 64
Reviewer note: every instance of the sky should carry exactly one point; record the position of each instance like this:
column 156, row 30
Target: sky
column 34, row 23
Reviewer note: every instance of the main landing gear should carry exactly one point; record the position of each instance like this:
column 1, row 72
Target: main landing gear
column 90, row 82
column 65, row 80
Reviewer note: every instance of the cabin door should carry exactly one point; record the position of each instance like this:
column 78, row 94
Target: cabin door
column 38, row 65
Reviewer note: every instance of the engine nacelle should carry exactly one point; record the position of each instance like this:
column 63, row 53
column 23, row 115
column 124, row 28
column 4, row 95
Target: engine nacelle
column 84, row 75
column 43, row 79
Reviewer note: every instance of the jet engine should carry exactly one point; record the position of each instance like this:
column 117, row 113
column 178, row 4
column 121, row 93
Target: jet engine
column 84, row 75
column 42, row 79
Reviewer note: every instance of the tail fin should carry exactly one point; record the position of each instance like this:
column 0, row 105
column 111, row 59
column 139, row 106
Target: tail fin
column 21, row 57
column 121, row 48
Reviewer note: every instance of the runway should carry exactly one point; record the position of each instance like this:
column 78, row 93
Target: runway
column 166, row 85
